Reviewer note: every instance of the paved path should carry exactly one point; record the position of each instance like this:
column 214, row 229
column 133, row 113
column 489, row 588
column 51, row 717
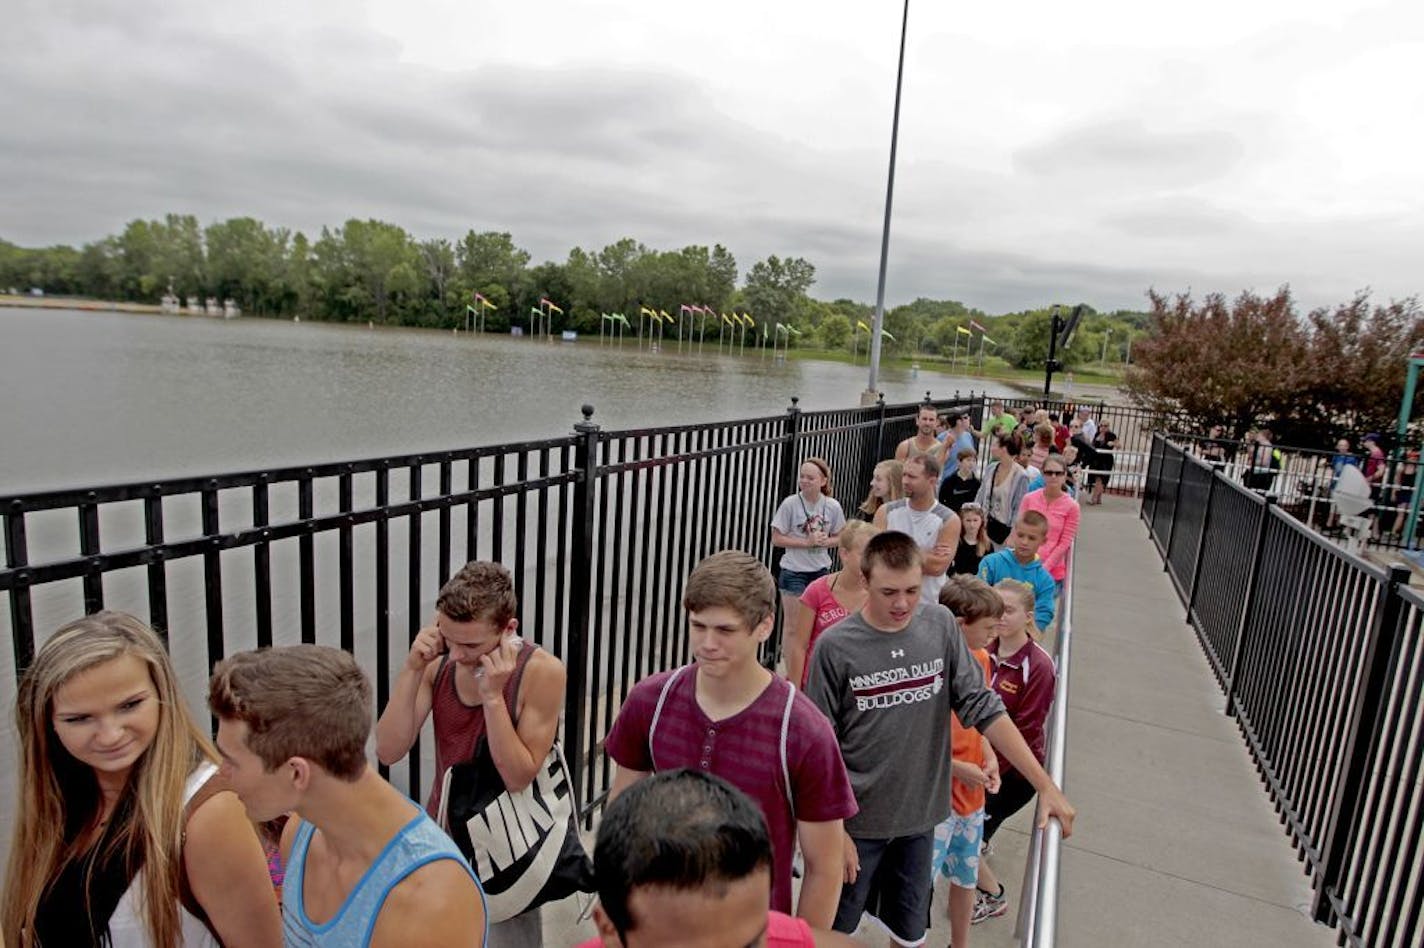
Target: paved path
column 1177, row 842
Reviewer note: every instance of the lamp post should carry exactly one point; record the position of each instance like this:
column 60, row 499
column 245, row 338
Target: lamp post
column 870, row 394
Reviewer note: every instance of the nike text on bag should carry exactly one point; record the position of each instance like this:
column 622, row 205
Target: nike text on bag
column 523, row 846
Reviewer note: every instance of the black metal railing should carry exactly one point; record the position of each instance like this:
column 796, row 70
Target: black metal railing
column 599, row 529
column 1319, row 653
column 1301, row 480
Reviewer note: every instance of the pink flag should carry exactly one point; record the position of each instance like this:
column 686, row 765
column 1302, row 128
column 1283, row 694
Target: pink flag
column 977, row 326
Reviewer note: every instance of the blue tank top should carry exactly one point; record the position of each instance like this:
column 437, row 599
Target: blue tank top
column 419, row 842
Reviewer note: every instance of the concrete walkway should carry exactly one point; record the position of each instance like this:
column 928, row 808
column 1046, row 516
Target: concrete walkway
column 1176, row 841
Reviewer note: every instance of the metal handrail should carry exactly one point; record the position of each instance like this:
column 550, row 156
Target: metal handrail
column 1038, row 909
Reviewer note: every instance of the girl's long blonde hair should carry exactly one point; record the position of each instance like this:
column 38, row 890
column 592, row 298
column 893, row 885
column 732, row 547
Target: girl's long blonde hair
column 893, row 471
column 1027, row 598
column 59, row 796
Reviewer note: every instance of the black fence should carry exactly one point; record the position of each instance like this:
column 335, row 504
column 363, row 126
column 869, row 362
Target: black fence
column 1320, row 656
column 1301, row 479
column 599, row 529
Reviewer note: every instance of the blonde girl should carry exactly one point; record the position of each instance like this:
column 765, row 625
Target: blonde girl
column 115, row 774
column 886, row 484
column 1022, row 674
column 827, row 601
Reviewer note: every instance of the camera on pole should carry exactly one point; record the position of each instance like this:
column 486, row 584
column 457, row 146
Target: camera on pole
column 1060, row 337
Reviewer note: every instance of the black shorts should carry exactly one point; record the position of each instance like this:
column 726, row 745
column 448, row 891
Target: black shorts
column 893, row 887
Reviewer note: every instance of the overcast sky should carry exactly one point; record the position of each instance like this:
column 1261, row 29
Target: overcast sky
column 1049, row 151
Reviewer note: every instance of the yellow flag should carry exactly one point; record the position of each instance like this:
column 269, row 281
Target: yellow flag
column 963, row 330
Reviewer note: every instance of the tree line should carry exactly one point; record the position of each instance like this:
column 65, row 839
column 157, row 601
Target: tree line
column 1312, row 377
column 369, row 270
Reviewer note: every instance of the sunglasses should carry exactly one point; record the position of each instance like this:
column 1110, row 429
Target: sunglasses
column 1054, row 473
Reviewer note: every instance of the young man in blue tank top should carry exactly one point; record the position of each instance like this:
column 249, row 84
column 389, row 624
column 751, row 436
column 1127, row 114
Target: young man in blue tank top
column 365, row 866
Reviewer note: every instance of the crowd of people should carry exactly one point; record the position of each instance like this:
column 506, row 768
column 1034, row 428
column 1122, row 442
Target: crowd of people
column 1312, row 476
column 905, row 725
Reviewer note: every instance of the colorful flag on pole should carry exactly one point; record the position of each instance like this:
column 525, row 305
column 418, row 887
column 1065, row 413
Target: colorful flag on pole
column 726, row 319
column 471, row 309
column 793, row 331
column 974, row 325
column 536, row 311
column 664, row 314
column 487, row 304
column 989, row 341
column 961, row 329
column 764, row 332
column 622, row 319
column 860, row 324
column 551, row 305
column 644, row 311
column 886, row 334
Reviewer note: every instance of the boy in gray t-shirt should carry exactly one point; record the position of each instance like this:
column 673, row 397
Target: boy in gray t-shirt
column 888, row 678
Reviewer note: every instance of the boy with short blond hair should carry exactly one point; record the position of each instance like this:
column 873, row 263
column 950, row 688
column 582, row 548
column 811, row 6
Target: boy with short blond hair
column 978, row 608
column 1019, row 560
column 727, row 715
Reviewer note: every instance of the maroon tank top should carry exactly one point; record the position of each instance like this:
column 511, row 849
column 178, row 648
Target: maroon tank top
column 459, row 728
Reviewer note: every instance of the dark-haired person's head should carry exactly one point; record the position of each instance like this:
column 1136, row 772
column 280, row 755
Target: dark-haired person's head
column 892, row 567
column 682, row 858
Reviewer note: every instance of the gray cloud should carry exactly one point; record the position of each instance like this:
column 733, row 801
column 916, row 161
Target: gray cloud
column 114, row 112
column 1128, row 149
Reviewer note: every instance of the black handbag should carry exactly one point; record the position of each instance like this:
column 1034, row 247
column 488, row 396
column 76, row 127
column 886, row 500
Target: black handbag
column 523, row 846
column 997, row 530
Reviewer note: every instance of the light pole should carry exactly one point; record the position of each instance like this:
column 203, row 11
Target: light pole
column 869, row 396
column 1107, row 334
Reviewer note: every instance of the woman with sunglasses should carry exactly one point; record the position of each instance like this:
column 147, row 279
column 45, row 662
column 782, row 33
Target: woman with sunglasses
column 1062, row 511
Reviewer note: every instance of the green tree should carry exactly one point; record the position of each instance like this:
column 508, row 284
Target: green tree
column 774, row 285
column 246, row 262
column 835, row 331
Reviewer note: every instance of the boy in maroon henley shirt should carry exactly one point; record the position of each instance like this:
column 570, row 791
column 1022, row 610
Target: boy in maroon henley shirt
column 727, row 715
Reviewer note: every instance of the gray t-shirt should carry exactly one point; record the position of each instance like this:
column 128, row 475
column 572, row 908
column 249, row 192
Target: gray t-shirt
column 888, row 696
column 796, row 518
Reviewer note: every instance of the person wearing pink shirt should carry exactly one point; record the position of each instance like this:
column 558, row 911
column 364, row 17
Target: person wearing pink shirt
column 1062, row 512
column 827, row 601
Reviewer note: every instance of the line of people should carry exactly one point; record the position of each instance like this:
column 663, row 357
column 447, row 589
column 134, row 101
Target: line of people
column 133, row 827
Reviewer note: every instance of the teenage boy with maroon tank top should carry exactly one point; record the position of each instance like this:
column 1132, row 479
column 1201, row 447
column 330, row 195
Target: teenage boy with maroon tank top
column 478, row 678
column 727, row 715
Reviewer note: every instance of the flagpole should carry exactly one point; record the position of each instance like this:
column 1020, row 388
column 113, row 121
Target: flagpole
column 870, row 394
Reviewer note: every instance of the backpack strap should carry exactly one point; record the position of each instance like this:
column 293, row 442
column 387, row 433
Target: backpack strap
column 211, row 787
column 785, row 730
column 658, row 711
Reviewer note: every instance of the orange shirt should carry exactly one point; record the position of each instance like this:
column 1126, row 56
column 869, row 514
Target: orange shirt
column 967, row 746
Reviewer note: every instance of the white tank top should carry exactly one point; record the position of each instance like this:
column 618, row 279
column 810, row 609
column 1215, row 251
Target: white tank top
column 127, row 926
column 923, row 526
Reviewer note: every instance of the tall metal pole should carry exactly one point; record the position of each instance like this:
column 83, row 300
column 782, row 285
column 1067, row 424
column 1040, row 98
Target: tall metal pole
column 869, row 395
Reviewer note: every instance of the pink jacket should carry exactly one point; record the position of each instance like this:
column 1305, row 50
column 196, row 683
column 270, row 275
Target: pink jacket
column 1062, row 517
